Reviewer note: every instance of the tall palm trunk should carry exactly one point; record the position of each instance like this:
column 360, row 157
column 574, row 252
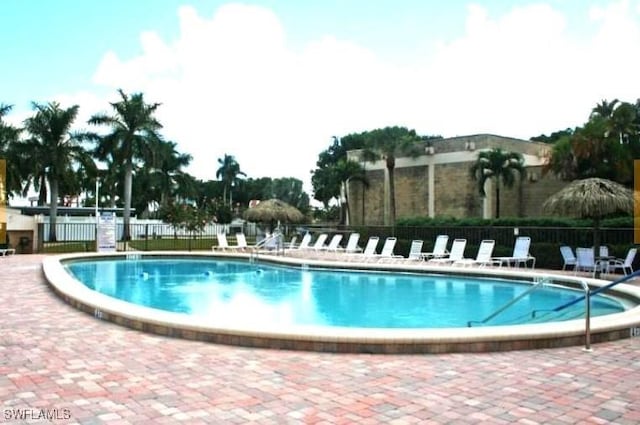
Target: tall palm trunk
column 126, row 214
column 42, row 192
column 53, row 210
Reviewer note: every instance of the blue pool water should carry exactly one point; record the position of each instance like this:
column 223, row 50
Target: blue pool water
column 254, row 294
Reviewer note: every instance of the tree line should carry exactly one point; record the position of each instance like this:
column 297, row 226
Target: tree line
column 47, row 155
column 605, row 146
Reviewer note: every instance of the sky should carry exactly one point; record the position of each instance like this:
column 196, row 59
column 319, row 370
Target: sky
column 272, row 81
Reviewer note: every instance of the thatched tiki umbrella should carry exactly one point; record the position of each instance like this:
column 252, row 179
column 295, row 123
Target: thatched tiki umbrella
column 273, row 210
column 592, row 198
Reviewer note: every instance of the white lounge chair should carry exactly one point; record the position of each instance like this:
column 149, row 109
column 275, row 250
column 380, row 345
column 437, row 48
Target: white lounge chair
column 369, row 250
column 352, row 243
column 415, row 251
column 318, row 245
column 520, row 255
column 483, row 257
column 624, row 264
column 334, row 243
column 223, row 245
column 457, row 253
column 568, row 257
column 292, row 243
column 241, row 243
column 439, row 249
column 387, row 250
column 305, row 242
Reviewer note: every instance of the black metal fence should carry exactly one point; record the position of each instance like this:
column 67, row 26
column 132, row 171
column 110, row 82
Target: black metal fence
column 545, row 244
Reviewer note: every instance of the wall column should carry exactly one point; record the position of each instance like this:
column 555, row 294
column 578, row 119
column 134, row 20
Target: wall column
column 431, row 172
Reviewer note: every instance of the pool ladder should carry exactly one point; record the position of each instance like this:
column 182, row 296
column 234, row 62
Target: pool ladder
column 274, row 241
column 536, row 285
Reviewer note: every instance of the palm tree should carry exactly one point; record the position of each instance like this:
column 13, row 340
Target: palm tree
column 384, row 144
column 347, row 171
column 167, row 175
column 54, row 150
column 604, row 109
column 9, row 137
column 499, row 165
column 228, row 172
column 133, row 128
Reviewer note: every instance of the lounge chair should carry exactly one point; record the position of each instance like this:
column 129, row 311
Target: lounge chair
column 223, row 245
column 334, row 243
column 415, row 251
column 568, row 257
column 457, row 253
column 520, row 255
column 241, row 243
column 624, row 264
column 439, row 249
column 292, row 243
column 387, row 250
column 483, row 257
column 369, row 250
column 304, row 243
column 318, row 245
column 352, row 244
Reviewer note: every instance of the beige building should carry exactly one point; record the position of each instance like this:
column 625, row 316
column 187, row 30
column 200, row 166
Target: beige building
column 438, row 183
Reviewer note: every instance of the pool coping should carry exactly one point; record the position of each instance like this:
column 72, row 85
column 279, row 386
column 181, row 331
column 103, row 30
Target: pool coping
column 354, row 340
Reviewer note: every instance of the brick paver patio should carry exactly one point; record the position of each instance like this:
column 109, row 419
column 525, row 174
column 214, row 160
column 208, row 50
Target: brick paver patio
column 57, row 361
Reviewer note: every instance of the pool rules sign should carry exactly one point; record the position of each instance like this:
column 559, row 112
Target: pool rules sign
column 106, row 232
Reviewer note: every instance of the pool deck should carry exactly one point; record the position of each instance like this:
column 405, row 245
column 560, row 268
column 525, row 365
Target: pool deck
column 79, row 369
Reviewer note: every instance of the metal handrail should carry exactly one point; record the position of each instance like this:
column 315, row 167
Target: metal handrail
column 510, row 303
column 275, row 236
column 598, row 290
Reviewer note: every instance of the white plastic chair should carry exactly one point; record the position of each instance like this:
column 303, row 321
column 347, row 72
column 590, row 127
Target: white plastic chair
column 352, row 243
column 456, row 254
column 223, row 245
column 624, row 264
column 334, row 243
column 439, row 249
column 568, row 257
column 241, row 243
column 520, row 255
column 369, row 250
column 415, row 251
column 304, row 243
column 482, row 258
column 387, row 250
column 318, row 245
column 586, row 262
column 291, row 244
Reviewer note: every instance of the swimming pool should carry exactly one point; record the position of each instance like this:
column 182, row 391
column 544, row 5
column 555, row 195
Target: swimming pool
column 251, row 294
column 272, row 326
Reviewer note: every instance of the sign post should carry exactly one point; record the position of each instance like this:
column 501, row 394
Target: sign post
column 106, row 237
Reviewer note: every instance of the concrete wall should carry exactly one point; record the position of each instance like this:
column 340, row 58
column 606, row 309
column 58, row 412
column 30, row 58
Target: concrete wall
column 438, row 183
column 20, row 226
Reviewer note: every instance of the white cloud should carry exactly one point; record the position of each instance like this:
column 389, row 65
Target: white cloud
column 231, row 85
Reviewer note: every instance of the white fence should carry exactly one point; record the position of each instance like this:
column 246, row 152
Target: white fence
column 84, row 229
